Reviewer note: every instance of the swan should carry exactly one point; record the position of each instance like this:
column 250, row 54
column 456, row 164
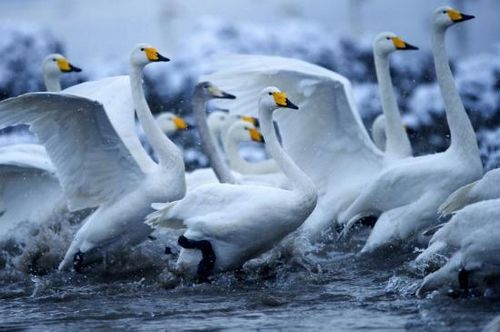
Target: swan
column 170, row 123
column 483, row 189
column 234, row 136
column 407, row 194
column 95, row 166
column 476, row 262
column 53, row 66
column 326, row 138
column 230, row 224
column 449, row 237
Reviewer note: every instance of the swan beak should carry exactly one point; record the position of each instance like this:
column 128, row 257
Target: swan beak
column 180, row 123
column 256, row 136
column 251, row 119
column 282, row 100
column 67, row 67
column 457, row 16
column 153, row 55
column 400, row 44
column 218, row 93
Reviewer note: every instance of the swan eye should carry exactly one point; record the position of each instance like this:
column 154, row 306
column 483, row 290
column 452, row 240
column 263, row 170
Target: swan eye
column 388, row 38
column 54, row 60
column 444, row 11
column 270, row 93
column 142, row 49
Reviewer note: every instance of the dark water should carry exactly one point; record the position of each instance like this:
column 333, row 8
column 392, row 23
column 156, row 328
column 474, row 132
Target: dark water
column 342, row 292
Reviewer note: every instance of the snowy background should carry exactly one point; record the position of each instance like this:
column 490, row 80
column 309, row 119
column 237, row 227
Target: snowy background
column 335, row 34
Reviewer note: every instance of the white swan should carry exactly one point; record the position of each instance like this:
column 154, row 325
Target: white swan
column 378, row 132
column 170, row 123
column 53, row 66
column 450, row 236
column 397, row 144
column 407, row 194
column 486, row 188
column 231, row 224
column 235, row 135
column 95, row 167
column 476, row 262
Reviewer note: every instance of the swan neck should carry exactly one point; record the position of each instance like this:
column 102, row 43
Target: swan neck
column 233, row 155
column 397, row 142
column 461, row 131
column 52, row 83
column 299, row 180
column 168, row 154
column 220, row 168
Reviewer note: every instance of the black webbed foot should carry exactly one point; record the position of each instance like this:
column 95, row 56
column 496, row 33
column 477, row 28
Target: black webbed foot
column 463, row 280
column 206, row 265
column 78, row 262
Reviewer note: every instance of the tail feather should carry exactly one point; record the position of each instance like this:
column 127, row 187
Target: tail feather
column 457, row 200
column 161, row 217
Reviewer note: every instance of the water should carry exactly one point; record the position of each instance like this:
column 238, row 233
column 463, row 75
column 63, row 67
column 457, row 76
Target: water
column 342, row 292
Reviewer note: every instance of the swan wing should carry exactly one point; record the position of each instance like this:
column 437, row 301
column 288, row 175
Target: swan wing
column 325, row 137
column 115, row 95
column 26, row 156
column 93, row 165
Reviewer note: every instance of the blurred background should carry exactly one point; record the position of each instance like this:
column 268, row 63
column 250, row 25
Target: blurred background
column 98, row 36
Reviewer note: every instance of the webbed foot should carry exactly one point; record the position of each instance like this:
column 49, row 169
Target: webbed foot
column 207, row 263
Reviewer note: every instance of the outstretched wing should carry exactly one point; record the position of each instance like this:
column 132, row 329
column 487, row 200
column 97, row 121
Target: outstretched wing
column 115, row 95
column 92, row 163
column 325, row 137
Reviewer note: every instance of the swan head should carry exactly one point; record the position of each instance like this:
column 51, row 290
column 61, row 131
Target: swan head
column 388, row 42
column 446, row 16
column 217, row 120
column 272, row 98
column 56, row 64
column 243, row 131
column 144, row 54
column 208, row 90
column 170, row 123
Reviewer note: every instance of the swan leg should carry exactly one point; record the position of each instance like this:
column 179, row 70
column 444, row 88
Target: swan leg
column 206, row 265
column 78, row 262
column 463, row 280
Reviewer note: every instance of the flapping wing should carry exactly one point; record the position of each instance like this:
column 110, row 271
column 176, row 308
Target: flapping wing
column 325, row 137
column 115, row 95
column 92, row 163
column 26, row 156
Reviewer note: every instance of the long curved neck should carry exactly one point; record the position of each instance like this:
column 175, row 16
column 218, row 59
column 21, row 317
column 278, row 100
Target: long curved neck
column 378, row 132
column 461, row 131
column 235, row 161
column 207, row 142
column 52, row 83
column 168, row 154
column 299, row 180
column 397, row 142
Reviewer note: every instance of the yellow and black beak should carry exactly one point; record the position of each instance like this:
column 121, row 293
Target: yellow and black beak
column 256, row 136
column 250, row 119
column 180, row 123
column 67, row 67
column 457, row 16
column 400, row 44
column 281, row 100
column 154, row 56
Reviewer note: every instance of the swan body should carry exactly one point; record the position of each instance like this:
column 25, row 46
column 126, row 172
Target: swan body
column 406, row 195
column 476, row 263
column 239, row 221
column 450, row 236
column 483, row 189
